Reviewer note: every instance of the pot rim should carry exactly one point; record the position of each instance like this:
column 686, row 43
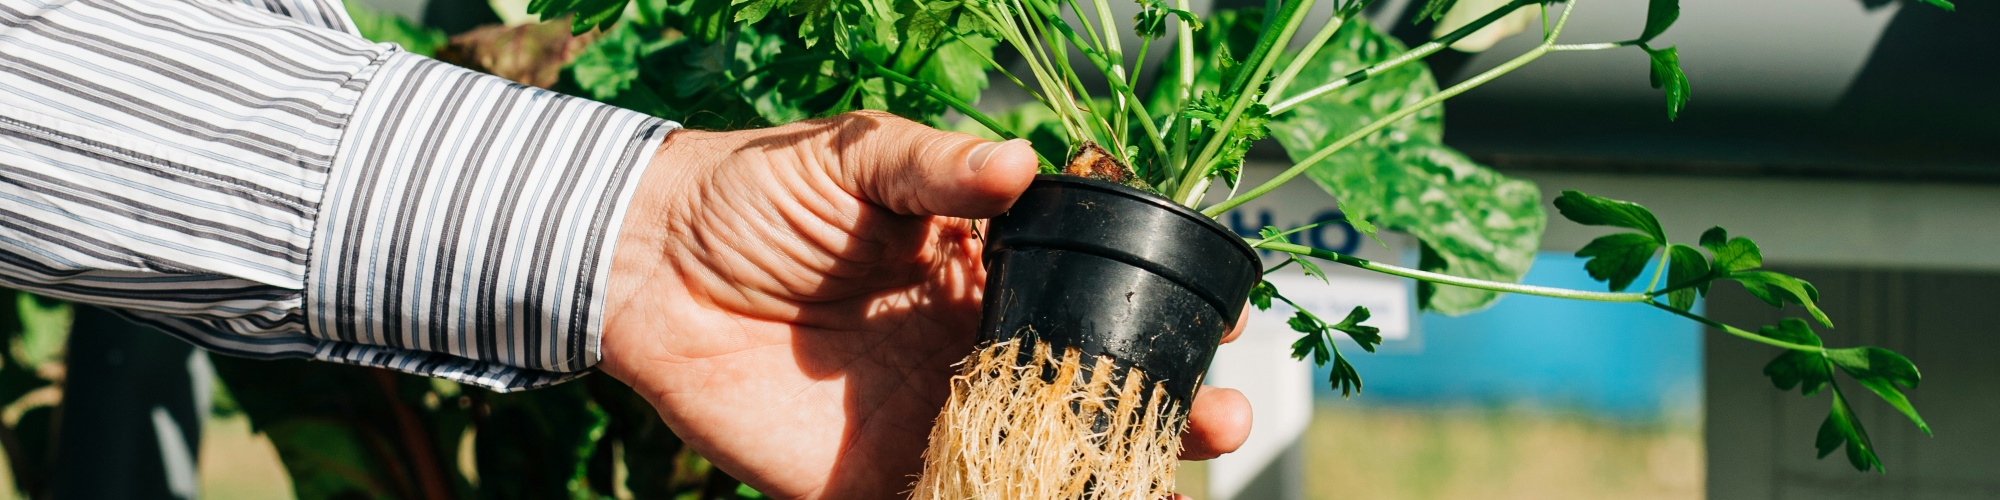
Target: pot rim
column 1158, row 201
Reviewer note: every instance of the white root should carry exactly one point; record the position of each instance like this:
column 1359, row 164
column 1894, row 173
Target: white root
column 1007, row 433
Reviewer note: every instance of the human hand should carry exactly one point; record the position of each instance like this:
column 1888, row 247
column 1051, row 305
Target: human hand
column 792, row 299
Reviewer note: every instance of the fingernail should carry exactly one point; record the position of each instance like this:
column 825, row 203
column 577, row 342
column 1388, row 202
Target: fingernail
column 977, row 161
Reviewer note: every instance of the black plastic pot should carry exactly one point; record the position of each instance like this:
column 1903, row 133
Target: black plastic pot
column 1117, row 272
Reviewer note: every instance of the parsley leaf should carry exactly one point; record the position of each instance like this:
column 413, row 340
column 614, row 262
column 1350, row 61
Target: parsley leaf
column 1314, row 343
column 1151, row 22
column 1434, row 10
column 1881, row 371
column 752, row 11
column 1731, row 254
column 1792, row 330
column 1739, row 258
column 1840, row 428
column 1801, row 369
column 955, row 62
column 1367, row 336
column 1689, row 269
column 1600, row 211
column 1343, row 376
column 1805, row 370
column 1211, row 108
column 1311, row 269
column 1618, row 258
column 1776, row 289
column 1667, row 74
column 388, row 27
column 1317, row 344
column 588, row 14
column 591, row 14
column 1660, row 15
column 1260, row 295
column 610, row 65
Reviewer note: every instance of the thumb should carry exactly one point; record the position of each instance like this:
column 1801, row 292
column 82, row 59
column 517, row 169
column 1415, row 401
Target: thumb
column 913, row 169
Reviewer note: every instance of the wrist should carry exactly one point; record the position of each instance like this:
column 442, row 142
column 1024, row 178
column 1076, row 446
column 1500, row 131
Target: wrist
column 641, row 266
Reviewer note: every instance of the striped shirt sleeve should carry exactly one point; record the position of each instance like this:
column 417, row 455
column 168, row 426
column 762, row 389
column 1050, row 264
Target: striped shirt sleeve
column 329, row 14
column 266, row 186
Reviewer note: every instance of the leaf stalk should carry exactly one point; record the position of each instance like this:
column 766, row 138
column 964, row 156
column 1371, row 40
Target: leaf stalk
column 1446, row 279
column 1517, row 288
column 1376, row 126
column 1192, row 182
column 956, row 104
column 1416, row 53
column 1745, row 334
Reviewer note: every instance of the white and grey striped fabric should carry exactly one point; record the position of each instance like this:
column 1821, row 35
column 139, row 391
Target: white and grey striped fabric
column 276, row 186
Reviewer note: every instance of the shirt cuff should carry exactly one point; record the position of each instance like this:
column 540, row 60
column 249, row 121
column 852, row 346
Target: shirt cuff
column 468, row 226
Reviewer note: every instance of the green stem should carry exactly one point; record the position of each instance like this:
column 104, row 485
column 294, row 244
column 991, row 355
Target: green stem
column 1159, row 155
column 1184, row 48
column 1581, row 47
column 1385, row 121
column 847, row 100
column 990, row 63
column 1370, row 129
column 1051, row 23
column 1561, row 293
column 1660, row 270
column 1281, row 265
column 1419, row 52
column 1077, row 7
column 1145, row 45
column 1745, row 334
column 1048, row 24
column 1269, row 7
column 1020, row 27
column 1302, row 310
column 1188, row 190
column 1545, row 18
column 1675, row 287
column 1115, row 78
column 1184, row 43
column 1114, row 52
column 1112, row 124
column 1446, row 279
column 925, row 60
column 738, row 80
column 1298, row 64
column 931, row 90
column 1296, row 230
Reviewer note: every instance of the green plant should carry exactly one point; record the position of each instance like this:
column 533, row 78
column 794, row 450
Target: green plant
column 1353, row 109
column 347, row 432
column 352, row 432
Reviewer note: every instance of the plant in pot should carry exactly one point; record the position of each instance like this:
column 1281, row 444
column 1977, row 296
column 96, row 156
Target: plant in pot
column 1110, row 282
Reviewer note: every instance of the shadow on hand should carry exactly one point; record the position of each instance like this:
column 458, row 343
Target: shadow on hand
column 896, row 314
